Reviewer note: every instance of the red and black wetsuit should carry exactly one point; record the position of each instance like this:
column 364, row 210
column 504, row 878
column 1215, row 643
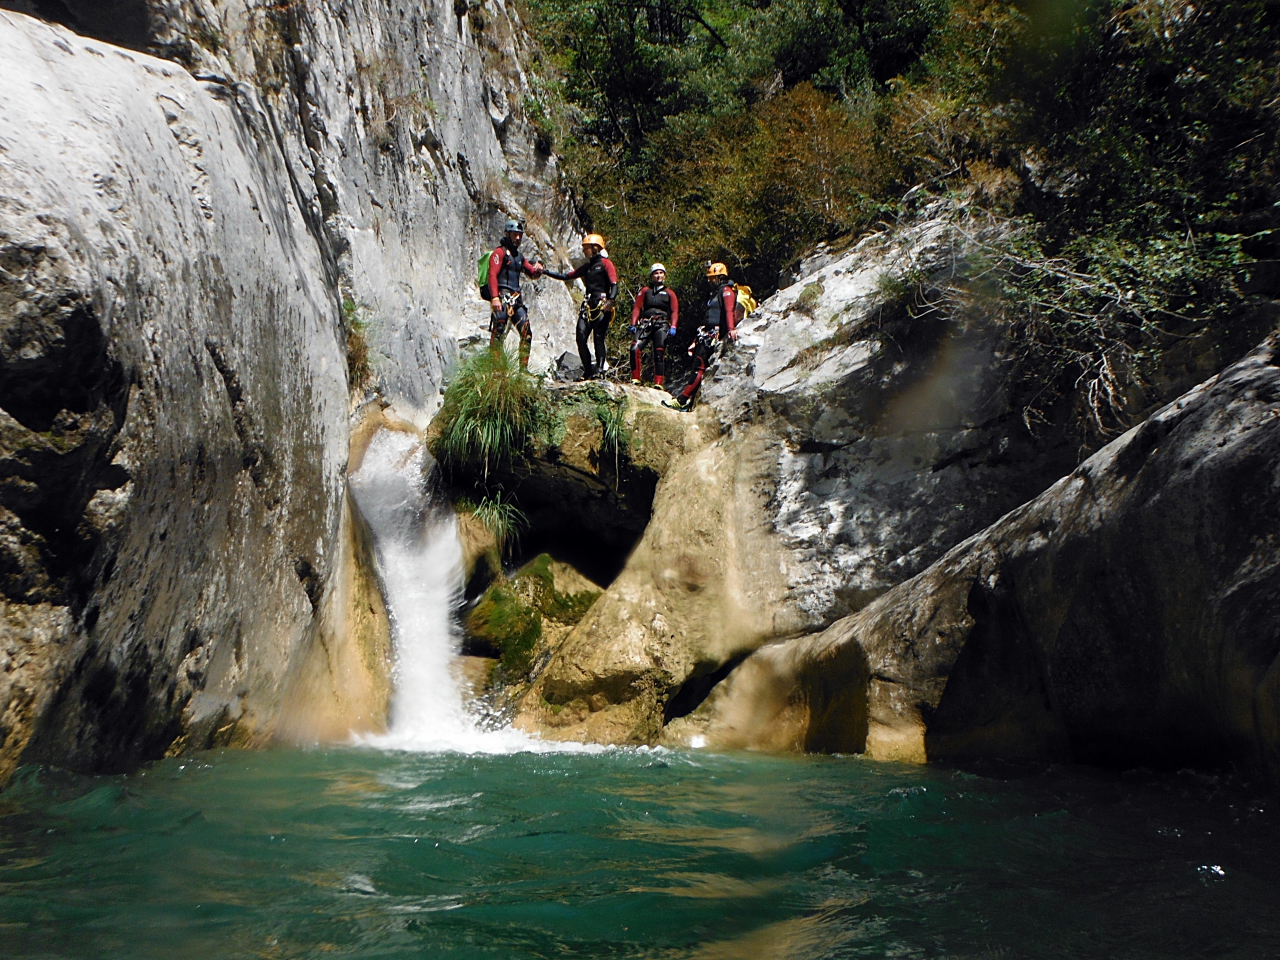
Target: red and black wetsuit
column 506, row 264
column 720, row 321
column 654, row 316
column 601, row 280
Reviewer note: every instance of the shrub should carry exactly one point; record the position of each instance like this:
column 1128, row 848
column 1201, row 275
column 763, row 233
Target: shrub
column 492, row 410
column 502, row 518
column 355, row 324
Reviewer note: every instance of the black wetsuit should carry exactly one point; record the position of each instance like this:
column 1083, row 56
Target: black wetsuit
column 506, row 265
column 654, row 315
column 601, row 280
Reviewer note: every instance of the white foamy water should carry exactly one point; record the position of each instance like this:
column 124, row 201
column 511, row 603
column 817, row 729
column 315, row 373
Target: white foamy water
column 420, row 560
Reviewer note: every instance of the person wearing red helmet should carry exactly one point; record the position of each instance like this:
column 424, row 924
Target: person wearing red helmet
column 720, row 322
column 506, row 265
column 654, row 317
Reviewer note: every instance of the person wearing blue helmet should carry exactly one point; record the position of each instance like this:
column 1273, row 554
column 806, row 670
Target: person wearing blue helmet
column 506, row 266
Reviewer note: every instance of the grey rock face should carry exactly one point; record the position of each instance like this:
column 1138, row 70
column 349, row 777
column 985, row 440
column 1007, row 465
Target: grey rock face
column 407, row 142
column 174, row 402
column 896, row 437
column 1126, row 615
column 860, row 435
column 177, row 240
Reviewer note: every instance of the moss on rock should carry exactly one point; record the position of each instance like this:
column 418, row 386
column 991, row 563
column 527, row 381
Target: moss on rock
column 517, row 617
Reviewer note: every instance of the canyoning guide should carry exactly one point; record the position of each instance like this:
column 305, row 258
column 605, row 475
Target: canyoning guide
column 720, row 322
column 601, row 280
column 654, row 317
column 506, row 264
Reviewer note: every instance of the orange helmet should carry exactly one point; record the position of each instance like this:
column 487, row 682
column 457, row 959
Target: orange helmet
column 717, row 270
column 593, row 240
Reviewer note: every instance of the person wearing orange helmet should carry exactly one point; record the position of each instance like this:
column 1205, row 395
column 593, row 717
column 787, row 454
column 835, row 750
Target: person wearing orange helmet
column 601, row 280
column 654, row 316
column 506, row 265
column 719, row 323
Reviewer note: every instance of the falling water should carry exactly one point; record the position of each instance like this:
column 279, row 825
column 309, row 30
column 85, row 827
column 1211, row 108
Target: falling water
column 420, row 559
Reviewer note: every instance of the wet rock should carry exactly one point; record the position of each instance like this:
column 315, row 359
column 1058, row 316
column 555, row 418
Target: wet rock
column 1127, row 615
column 860, row 437
column 186, row 246
column 518, row 620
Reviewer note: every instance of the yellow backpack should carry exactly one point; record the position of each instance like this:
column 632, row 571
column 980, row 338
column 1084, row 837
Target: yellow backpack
column 745, row 300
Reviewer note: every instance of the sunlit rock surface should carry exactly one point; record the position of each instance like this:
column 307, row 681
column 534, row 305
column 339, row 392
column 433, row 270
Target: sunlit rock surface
column 1127, row 615
column 852, row 437
column 178, row 239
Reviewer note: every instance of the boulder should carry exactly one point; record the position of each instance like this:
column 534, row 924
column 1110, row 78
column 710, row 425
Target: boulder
column 860, row 432
column 1128, row 615
column 517, row 620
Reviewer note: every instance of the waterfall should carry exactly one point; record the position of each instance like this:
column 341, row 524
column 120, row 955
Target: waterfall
column 420, row 560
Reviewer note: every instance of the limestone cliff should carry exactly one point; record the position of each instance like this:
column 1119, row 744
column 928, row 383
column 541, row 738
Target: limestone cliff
column 1126, row 615
column 854, row 436
column 184, row 245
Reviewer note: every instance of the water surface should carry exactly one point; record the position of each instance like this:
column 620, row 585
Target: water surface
column 359, row 852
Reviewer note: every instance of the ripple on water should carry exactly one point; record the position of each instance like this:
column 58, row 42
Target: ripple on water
column 365, row 853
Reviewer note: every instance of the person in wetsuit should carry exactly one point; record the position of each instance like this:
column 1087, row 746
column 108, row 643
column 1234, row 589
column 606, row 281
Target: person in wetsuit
column 601, row 280
column 654, row 317
column 720, row 322
column 506, row 265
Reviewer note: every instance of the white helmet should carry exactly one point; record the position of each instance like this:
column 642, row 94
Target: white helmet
column 655, row 268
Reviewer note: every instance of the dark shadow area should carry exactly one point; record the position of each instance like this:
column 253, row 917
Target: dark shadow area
column 995, row 703
column 566, row 538
column 123, row 22
column 697, row 688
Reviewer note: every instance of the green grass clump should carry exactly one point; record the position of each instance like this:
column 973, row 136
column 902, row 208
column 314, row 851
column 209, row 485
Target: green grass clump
column 492, row 410
column 502, row 518
column 355, row 326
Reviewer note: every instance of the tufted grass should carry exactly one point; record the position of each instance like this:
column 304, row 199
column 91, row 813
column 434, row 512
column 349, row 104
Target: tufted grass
column 492, row 411
column 502, row 518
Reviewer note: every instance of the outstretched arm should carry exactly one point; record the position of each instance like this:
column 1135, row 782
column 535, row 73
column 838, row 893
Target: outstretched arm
column 566, row 277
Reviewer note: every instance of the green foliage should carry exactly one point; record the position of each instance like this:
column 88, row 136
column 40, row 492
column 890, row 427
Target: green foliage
column 355, row 325
column 492, row 410
column 726, row 130
column 511, row 613
column 510, row 624
column 502, row 518
column 611, row 414
column 1131, row 147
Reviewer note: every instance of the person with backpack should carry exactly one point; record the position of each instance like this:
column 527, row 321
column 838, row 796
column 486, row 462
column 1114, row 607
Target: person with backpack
column 506, row 265
column 601, row 280
column 720, row 322
column 654, row 317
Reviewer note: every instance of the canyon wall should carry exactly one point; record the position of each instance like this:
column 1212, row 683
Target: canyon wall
column 1125, row 616
column 191, row 233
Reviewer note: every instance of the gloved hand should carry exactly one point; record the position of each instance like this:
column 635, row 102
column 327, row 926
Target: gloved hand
column 633, row 331
column 671, row 332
